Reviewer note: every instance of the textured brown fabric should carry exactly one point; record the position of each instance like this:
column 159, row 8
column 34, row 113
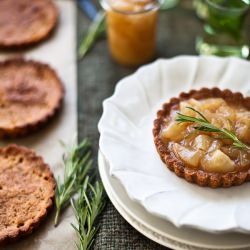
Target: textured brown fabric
column 97, row 77
column 118, row 234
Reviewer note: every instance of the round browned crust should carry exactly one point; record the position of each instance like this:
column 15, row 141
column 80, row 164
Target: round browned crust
column 199, row 177
column 25, row 22
column 26, row 192
column 51, row 106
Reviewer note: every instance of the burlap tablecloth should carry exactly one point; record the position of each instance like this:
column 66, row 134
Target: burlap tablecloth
column 97, row 77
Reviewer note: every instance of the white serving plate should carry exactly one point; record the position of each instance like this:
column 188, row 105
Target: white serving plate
column 162, row 231
column 127, row 143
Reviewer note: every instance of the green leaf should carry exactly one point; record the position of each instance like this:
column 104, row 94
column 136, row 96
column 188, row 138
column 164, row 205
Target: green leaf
column 96, row 29
column 204, row 125
column 87, row 208
column 77, row 163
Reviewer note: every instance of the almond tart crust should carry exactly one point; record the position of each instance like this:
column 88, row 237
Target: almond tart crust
column 25, row 22
column 26, row 192
column 30, row 94
column 198, row 176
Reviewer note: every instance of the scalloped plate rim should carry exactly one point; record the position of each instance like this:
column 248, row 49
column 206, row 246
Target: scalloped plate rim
column 120, row 85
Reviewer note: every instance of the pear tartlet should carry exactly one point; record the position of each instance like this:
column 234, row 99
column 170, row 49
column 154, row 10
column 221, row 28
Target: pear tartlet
column 205, row 157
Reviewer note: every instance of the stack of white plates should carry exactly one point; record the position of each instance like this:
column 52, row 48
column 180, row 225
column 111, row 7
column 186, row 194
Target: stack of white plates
column 152, row 199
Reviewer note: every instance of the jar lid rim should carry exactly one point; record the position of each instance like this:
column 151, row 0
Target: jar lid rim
column 152, row 5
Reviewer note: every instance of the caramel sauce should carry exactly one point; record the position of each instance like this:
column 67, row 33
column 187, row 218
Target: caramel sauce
column 204, row 150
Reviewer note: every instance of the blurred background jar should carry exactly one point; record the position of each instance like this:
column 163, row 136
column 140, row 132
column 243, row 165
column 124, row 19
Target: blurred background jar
column 132, row 28
column 200, row 7
column 224, row 33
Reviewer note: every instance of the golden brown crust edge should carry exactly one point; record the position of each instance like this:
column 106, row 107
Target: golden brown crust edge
column 35, row 125
column 200, row 177
column 28, row 229
column 31, row 42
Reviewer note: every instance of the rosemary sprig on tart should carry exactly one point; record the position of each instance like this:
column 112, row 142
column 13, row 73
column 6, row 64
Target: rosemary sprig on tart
column 77, row 164
column 205, row 125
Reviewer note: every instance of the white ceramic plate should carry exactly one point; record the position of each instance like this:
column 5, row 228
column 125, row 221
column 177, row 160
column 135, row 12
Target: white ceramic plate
column 127, row 143
column 161, row 231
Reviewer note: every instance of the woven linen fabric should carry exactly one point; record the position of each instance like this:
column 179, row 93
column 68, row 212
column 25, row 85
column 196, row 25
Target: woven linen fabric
column 116, row 233
column 97, row 77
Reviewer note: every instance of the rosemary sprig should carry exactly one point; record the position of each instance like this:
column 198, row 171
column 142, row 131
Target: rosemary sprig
column 96, row 29
column 77, row 163
column 87, row 208
column 205, row 125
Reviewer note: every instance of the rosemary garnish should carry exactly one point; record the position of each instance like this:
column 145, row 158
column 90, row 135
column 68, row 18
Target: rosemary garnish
column 204, row 125
column 95, row 31
column 77, row 163
column 87, row 209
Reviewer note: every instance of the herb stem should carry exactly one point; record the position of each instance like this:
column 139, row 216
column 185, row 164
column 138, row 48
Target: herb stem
column 87, row 208
column 95, row 30
column 77, row 163
column 57, row 216
column 205, row 125
column 91, row 198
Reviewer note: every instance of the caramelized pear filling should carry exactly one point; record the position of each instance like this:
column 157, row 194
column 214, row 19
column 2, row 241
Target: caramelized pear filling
column 205, row 150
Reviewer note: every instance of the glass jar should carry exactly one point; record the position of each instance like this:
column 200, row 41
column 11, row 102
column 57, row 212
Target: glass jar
column 224, row 33
column 131, row 27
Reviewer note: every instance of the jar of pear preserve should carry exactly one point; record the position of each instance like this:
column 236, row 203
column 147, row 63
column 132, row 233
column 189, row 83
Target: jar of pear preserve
column 131, row 27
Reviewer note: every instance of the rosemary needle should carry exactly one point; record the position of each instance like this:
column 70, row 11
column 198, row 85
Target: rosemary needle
column 77, row 163
column 87, row 208
column 205, row 125
column 96, row 29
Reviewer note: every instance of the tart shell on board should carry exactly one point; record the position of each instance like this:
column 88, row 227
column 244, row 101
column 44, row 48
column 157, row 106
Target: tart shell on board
column 30, row 94
column 26, row 22
column 26, row 192
column 198, row 176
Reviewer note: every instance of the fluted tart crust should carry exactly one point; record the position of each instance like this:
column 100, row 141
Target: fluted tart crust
column 201, row 157
column 27, row 189
column 30, row 94
column 26, row 22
